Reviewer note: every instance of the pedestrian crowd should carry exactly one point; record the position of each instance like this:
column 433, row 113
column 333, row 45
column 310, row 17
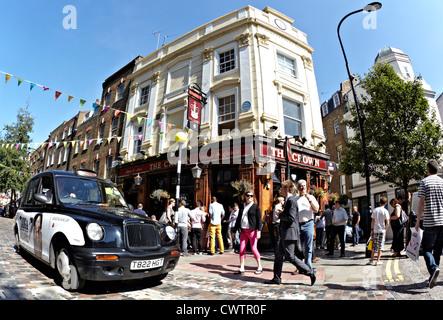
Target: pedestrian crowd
column 296, row 222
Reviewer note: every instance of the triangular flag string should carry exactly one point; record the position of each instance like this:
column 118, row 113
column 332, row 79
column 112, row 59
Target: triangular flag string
column 82, row 102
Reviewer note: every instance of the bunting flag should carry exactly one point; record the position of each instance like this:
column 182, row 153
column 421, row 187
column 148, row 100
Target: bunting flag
column 82, row 103
column 21, row 173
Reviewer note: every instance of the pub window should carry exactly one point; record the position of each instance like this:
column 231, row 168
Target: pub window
column 225, row 59
column 292, row 113
column 287, row 65
column 226, row 113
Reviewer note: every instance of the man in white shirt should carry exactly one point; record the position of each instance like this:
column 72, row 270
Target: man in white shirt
column 181, row 220
column 198, row 217
column 339, row 220
column 217, row 213
column 307, row 205
column 379, row 226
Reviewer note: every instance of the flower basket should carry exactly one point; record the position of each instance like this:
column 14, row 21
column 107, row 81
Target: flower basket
column 332, row 197
column 159, row 194
column 317, row 192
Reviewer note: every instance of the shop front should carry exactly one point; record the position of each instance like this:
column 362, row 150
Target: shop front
column 221, row 164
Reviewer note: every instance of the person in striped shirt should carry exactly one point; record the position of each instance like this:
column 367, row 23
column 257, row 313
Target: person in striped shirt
column 431, row 207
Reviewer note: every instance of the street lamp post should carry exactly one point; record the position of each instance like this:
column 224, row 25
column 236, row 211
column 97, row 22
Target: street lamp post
column 373, row 6
column 180, row 138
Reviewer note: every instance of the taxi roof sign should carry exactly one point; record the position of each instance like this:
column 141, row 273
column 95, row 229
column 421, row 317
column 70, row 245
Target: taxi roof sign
column 86, row 173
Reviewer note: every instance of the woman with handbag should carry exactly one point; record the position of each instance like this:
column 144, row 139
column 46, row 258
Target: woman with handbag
column 249, row 221
column 397, row 228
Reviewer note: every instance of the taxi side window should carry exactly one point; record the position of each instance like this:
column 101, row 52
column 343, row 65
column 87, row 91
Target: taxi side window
column 33, row 189
column 47, row 189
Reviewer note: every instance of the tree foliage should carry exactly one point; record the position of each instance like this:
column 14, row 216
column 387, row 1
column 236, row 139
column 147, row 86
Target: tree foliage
column 15, row 158
column 401, row 131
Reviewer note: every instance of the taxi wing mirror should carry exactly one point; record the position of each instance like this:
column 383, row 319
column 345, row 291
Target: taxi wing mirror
column 42, row 198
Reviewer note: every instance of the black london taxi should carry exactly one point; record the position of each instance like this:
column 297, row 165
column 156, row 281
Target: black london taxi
column 82, row 227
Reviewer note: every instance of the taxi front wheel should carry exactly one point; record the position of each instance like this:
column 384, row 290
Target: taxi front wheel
column 67, row 272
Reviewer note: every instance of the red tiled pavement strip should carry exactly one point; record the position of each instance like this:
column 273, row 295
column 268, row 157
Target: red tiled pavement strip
column 227, row 264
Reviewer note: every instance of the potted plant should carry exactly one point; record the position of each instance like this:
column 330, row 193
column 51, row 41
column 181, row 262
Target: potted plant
column 159, row 194
column 241, row 186
column 332, row 197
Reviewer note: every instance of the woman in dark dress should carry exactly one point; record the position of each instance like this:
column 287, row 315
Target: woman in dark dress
column 397, row 229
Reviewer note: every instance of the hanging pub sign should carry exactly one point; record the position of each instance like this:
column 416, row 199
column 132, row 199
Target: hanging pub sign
column 196, row 99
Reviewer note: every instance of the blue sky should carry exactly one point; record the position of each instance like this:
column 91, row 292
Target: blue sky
column 35, row 46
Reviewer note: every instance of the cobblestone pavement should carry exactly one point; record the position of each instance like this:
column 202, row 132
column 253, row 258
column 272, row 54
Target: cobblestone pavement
column 203, row 277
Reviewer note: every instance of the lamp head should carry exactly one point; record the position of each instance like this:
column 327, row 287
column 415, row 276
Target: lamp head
column 373, row 6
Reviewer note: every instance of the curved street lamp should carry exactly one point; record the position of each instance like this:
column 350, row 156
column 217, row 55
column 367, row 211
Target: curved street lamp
column 180, row 138
column 373, row 6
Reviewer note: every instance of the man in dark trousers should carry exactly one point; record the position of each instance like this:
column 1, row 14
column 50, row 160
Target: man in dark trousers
column 289, row 238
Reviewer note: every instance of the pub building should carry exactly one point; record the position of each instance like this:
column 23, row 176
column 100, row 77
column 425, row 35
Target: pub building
column 254, row 77
column 218, row 170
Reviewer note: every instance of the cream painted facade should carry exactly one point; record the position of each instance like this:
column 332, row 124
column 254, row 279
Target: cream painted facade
column 248, row 62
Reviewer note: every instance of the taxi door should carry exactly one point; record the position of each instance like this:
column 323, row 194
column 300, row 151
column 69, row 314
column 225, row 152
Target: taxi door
column 25, row 216
column 32, row 216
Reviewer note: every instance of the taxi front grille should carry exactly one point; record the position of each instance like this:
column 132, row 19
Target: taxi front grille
column 142, row 236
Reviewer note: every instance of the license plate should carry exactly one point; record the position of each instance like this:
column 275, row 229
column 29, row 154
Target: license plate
column 146, row 264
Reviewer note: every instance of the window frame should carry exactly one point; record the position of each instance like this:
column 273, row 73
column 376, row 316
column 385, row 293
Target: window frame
column 300, row 121
column 222, row 95
column 283, row 68
column 223, row 50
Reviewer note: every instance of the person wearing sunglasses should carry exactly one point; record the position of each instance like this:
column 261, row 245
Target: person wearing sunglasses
column 249, row 221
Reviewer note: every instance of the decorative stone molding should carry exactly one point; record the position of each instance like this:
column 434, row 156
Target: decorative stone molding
column 263, row 40
column 134, row 88
column 155, row 78
column 243, row 40
column 289, row 90
column 207, row 54
column 307, row 62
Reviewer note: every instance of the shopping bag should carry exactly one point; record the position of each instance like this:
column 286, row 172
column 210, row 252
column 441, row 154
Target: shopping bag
column 163, row 218
column 369, row 247
column 413, row 248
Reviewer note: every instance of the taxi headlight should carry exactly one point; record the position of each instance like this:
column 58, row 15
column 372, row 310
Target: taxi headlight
column 170, row 232
column 95, row 231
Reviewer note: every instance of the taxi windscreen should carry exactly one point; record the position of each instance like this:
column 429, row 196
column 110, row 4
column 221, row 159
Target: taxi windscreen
column 75, row 190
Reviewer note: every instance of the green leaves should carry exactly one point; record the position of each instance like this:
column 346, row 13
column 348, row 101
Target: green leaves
column 15, row 159
column 401, row 131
